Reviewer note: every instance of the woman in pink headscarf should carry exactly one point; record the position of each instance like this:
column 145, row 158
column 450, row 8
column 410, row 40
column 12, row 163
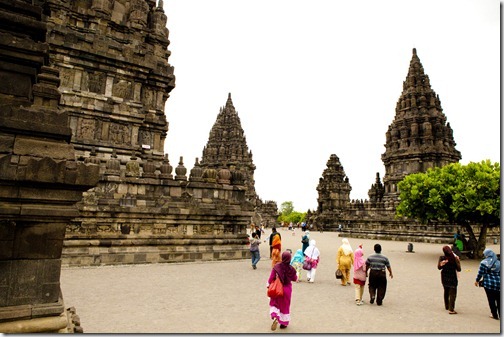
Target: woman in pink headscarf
column 359, row 274
column 280, row 306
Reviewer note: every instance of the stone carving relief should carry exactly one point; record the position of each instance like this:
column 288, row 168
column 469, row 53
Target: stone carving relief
column 148, row 98
column 87, row 129
column 122, row 89
column 204, row 229
column 119, row 134
column 145, row 138
column 138, row 12
column 66, row 77
column 108, row 188
column 96, row 82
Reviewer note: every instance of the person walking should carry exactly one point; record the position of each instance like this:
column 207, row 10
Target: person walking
column 312, row 254
column 254, row 250
column 297, row 263
column 375, row 268
column 489, row 271
column 359, row 274
column 276, row 246
column 305, row 240
column 449, row 264
column 258, row 232
column 280, row 306
column 345, row 260
column 271, row 238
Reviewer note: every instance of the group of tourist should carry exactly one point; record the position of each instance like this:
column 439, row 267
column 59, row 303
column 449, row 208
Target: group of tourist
column 373, row 269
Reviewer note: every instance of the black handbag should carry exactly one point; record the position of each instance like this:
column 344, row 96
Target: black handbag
column 339, row 274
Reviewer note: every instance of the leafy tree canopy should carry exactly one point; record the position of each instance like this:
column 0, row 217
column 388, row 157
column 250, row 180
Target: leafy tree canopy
column 288, row 214
column 461, row 194
column 454, row 193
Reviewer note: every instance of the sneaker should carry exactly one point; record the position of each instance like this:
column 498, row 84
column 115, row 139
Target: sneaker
column 371, row 300
column 452, row 312
column 254, row 267
column 274, row 324
column 358, row 303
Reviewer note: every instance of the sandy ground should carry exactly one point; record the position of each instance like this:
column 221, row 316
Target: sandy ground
column 230, row 297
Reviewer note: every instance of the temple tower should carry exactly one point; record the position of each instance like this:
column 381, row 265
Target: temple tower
column 227, row 148
column 419, row 137
column 333, row 190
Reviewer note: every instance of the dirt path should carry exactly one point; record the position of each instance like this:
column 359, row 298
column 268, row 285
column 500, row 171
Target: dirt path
column 230, row 297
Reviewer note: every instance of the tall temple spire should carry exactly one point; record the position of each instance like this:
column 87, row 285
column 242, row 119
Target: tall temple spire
column 419, row 137
column 227, row 146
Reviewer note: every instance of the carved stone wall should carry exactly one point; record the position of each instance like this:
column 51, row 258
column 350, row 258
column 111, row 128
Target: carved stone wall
column 40, row 179
column 116, row 79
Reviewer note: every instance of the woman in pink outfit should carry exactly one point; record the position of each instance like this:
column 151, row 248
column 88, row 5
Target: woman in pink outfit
column 359, row 274
column 280, row 306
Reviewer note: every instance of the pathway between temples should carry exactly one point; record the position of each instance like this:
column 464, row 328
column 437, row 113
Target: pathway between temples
column 230, row 297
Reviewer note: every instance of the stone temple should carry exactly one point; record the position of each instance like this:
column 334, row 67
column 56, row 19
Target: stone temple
column 84, row 179
column 418, row 138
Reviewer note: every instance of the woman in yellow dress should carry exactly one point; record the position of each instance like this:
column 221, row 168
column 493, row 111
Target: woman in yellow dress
column 345, row 260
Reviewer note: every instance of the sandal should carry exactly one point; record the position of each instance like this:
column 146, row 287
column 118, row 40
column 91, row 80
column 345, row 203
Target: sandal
column 274, row 324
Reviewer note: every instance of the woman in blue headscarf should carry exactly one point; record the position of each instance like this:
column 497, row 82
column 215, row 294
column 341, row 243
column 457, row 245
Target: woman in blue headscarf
column 489, row 270
column 297, row 262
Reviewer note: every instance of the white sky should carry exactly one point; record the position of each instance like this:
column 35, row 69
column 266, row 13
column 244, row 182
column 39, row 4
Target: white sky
column 313, row 78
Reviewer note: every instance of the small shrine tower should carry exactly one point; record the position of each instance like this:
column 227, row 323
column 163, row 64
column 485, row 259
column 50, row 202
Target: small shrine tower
column 333, row 187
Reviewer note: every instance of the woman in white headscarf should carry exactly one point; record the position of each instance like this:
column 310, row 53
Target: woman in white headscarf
column 312, row 254
column 345, row 260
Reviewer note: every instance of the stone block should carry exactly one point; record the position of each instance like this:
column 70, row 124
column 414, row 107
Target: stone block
column 38, row 148
column 42, row 241
column 15, row 312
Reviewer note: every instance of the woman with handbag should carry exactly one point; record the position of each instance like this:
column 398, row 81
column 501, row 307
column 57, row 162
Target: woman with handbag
column 312, row 258
column 345, row 260
column 489, row 270
column 280, row 305
column 449, row 264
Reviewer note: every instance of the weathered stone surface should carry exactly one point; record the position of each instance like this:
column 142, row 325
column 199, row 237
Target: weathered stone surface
column 39, row 175
column 113, row 88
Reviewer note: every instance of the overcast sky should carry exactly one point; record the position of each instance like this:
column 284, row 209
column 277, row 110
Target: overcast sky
column 314, row 78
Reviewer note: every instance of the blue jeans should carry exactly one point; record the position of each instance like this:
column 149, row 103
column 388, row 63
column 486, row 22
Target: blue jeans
column 255, row 257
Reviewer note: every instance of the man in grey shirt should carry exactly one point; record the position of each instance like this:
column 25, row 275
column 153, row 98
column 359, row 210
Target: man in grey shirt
column 375, row 266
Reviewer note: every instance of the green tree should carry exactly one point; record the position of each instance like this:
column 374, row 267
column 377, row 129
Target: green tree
column 286, row 208
column 288, row 215
column 460, row 194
